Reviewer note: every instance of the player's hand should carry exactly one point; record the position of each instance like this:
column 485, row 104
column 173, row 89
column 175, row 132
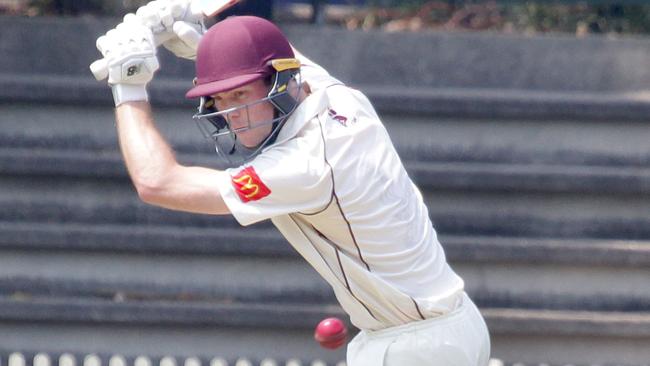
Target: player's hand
column 176, row 24
column 186, row 42
column 130, row 53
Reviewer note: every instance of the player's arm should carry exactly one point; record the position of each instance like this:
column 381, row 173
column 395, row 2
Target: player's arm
column 130, row 54
column 156, row 174
column 314, row 74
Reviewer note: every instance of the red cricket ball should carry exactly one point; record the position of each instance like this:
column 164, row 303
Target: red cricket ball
column 331, row 333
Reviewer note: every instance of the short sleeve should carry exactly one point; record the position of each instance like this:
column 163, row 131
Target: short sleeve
column 288, row 178
column 315, row 75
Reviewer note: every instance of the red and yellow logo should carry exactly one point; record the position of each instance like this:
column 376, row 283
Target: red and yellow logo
column 249, row 186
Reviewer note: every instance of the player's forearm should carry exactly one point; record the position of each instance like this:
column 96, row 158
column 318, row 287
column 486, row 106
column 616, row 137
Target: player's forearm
column 148, row 157
column 159, row 179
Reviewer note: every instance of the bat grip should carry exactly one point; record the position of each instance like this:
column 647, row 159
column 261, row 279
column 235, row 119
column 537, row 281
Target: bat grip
column 99, row 68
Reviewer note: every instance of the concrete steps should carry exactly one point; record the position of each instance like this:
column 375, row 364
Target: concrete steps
column 69, row 199
column 549, row 141
column 549, row 337
column 479, row 177
column 263, row 241
column 555, row 142
column 199, row 338
column 612, row 143
column 457, row 75
column 468, row 176
column 240, row 264
column 536, row 178
column 531, row 235
column 161, row 326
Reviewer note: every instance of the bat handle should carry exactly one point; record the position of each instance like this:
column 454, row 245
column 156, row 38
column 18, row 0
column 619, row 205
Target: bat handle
column 99, row 68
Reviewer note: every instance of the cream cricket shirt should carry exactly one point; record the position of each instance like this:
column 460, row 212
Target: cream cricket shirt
column 335, row 187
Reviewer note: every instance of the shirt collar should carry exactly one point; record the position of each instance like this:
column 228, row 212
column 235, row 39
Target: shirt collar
column 309, row 108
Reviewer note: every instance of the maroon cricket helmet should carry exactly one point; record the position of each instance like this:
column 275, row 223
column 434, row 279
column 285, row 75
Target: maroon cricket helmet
column 235, row 52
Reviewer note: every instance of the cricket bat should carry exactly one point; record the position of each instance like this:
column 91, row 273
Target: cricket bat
column 209, row 8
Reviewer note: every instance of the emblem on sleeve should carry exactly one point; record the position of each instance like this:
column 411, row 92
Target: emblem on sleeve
column 249, row 186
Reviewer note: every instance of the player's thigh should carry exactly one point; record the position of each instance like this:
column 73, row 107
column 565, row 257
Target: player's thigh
column 461, row 341
column 403, row 354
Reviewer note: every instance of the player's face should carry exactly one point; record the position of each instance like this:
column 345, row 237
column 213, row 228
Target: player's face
column 248, row 123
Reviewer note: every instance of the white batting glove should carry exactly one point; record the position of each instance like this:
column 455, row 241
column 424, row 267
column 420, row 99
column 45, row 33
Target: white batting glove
column 176, row 24
column 186, row 42
column 130, row 53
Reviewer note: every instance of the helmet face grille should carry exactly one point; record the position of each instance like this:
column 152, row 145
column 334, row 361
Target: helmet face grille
column 214, row 124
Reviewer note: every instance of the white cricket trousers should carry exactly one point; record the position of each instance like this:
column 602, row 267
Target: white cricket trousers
column 459, row 338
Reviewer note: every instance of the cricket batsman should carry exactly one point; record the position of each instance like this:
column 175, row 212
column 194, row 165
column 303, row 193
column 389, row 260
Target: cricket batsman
column 312, row 155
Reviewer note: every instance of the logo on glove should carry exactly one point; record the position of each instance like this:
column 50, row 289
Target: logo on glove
column 132, row 70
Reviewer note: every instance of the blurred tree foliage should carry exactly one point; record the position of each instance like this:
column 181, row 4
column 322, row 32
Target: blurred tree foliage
column 80, row 7
column 580, row 17
column 510, row 16
column 114, row 7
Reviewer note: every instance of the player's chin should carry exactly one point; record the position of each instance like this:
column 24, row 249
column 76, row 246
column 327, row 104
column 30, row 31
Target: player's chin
column 250, row 142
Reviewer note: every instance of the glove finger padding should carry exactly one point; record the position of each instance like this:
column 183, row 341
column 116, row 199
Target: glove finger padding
column 189, row 33
column 192, row 11
column 173, row 11
column 165, row 12
column 131, row 18
column 150, row 17
column 101, row 44
column 186, row 42
column 130, row 54
column 134, row 57
column 162, row 14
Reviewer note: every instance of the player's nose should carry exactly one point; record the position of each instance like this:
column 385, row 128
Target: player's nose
column 235, row 119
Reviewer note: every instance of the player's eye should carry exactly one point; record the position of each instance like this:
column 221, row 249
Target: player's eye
column 220, row 103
